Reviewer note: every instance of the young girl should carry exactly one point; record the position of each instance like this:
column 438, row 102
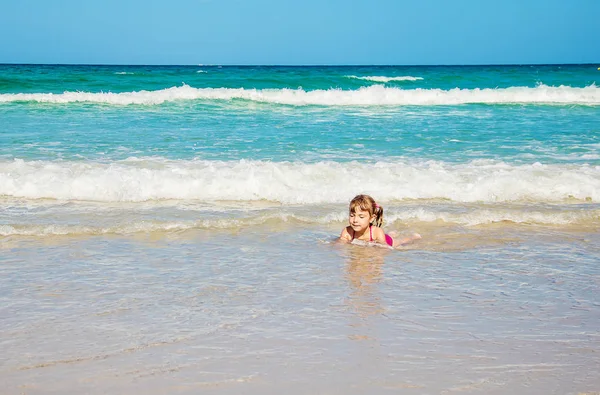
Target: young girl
column 366, row 218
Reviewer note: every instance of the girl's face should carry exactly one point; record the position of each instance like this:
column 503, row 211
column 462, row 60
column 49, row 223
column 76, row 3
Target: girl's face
column 360, row 220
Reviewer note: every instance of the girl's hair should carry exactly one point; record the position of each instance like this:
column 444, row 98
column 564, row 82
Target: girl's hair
column 367, row 203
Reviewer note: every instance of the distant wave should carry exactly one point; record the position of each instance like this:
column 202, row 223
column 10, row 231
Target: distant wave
column 376, row 95
column 145, row 179
column 385, row 79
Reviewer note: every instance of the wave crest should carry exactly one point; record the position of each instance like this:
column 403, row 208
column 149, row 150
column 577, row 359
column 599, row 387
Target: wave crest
column 385, row 79
column 376, row 95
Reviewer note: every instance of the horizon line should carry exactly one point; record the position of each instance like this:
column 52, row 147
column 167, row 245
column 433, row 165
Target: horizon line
column 297, row 65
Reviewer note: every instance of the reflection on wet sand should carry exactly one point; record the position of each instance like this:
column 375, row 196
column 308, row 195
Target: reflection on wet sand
column 364, row 270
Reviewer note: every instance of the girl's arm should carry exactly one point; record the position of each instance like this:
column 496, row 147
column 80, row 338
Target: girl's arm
column 345, row 235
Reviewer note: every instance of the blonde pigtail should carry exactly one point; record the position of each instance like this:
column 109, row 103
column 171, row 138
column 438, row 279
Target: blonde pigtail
column 378, row 211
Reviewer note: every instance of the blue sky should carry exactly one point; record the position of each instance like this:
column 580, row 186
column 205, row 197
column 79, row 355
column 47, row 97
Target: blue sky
column 299, row 32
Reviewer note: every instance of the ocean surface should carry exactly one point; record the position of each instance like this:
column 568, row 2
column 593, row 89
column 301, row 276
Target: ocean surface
column 172, row 229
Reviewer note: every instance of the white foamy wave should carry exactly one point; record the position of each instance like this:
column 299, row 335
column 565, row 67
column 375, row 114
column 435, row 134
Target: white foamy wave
column 491, row 216
column 385, row 79
column 402, row 215
column 376, row 95
column 129, row 227
column 135, row 227
column 136, row 180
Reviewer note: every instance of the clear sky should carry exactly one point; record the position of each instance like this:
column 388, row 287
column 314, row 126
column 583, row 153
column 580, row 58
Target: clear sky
column 299, row 32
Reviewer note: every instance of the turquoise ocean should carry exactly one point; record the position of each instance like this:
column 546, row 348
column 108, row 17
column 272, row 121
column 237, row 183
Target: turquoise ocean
column 172, row 229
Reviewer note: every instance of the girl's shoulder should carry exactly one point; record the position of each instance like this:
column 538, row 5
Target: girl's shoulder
column 376, row 229
column 377, row 232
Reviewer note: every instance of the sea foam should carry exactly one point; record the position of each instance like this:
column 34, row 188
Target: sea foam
column 136, row 180
column 385, row 79
column 376, row 95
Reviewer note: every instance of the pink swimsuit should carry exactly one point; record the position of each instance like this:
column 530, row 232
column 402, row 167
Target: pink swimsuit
column 388, row 238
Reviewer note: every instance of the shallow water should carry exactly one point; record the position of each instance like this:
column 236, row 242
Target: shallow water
column 265, row 311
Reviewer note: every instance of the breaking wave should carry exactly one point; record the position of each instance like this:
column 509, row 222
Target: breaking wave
column 385, row 79
column 376, row 95
column 146, row 179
